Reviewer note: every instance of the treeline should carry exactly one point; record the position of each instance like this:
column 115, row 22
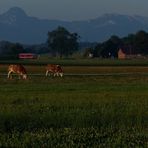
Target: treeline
column 60, row 42
column 9, row 50
column 135, row 43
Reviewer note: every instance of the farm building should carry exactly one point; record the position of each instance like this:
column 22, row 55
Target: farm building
column 27, row 56
column 121, row 54
column 126, row 53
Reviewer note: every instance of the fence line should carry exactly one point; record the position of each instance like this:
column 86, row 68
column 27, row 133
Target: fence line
column 87, row 74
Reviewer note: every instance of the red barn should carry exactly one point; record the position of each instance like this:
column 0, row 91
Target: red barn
column 27, row 56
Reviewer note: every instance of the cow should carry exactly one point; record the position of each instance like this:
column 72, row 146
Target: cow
column 18, row 69
column 56, row 70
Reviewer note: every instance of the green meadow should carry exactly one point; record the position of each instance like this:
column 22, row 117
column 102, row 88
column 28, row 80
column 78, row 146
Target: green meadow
column 74, row 111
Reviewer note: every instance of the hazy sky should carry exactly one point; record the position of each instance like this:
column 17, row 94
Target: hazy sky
column 76, row 9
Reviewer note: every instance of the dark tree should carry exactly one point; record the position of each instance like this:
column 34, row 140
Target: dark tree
column 16, row 48
column 98, row 50
column 109, row 48
column 8, row 48
column 141, row 42
column 62, row 41
column 137, row 42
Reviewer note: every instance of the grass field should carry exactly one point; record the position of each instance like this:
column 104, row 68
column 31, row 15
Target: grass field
column 40, row 69
column 80, row 62
column 75, row 111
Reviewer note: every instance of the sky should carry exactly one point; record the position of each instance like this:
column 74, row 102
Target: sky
column 71, row 10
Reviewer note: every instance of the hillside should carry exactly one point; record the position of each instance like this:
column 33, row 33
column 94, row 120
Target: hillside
column 17, row 26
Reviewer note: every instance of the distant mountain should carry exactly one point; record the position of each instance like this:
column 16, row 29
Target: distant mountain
column 17, row 26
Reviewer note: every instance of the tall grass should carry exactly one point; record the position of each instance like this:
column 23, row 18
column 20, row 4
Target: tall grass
column 74, row 111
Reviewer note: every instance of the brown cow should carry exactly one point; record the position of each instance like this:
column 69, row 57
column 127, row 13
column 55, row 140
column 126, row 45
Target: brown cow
column 56, row 70
column 18, row 69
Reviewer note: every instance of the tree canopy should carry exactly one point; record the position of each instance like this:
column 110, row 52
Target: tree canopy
column 137, row 42
column 10, row 48
column 62, row 42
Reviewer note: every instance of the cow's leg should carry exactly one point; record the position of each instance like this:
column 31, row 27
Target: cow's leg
column 19, row 76
column 46, row 73
column 9, row 77
column 61, row 74
column 55, row 74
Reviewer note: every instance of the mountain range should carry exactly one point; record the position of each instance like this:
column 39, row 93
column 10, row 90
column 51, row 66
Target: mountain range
column 17, row 26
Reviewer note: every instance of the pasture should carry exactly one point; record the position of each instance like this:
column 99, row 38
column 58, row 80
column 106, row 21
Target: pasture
column 76, row 110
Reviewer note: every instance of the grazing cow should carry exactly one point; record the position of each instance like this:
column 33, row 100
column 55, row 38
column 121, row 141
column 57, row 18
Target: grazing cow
column 56, row 70
column 18, row 69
